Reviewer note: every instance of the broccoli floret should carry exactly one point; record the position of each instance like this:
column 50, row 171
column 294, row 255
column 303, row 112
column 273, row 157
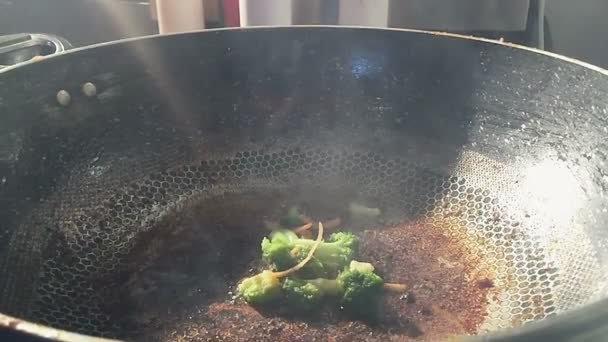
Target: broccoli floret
column 285, row 249
column 292, row 219
column 357, row 286
column 278, row 248
column 301, row 295
column 266, row 286
column 261, row 288
column 361, row 288
column 345, row 239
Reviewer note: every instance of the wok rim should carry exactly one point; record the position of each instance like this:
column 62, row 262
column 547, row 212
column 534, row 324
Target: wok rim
column 339, row 27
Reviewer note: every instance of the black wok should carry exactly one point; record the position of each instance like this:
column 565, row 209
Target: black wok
column 134, row 175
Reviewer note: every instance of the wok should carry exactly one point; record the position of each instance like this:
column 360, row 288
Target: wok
column 136, row 177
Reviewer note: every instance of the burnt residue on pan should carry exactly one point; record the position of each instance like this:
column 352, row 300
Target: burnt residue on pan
column 183, row 283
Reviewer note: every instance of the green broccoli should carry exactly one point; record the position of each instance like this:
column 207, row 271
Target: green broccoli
column 357, row 286
column 261, row 288
column 285, row 249
column 265, row 287
column 292, row 219
column 301, row 295
column 361, row 287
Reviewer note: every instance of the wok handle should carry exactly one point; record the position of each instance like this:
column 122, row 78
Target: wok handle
column 22, row 47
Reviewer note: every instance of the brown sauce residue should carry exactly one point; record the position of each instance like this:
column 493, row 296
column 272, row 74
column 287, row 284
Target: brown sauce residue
column 189, row 293
column 445, row 299
column 442, row 274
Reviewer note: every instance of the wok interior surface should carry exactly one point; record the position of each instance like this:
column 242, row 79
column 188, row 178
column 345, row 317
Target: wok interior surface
column 134, row 214
column 195, row 260
column 470, row 262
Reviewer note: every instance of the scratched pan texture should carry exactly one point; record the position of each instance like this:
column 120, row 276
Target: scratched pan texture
column 486, row 162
